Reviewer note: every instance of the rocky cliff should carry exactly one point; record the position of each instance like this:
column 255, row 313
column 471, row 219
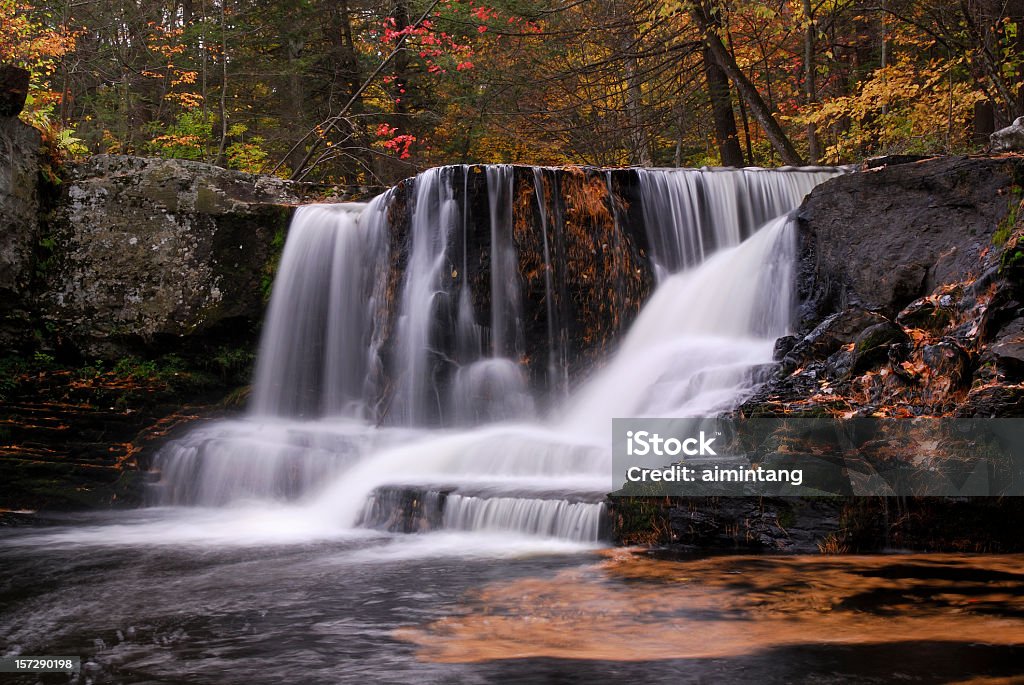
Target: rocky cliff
column 909, row 289
column 19, row 224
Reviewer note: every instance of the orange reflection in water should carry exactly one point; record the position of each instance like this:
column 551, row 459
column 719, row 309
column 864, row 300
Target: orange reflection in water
column 631, row 607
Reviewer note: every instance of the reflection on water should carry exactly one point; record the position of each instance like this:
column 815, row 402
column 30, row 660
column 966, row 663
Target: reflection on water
column 457, row 607
column 637, row 608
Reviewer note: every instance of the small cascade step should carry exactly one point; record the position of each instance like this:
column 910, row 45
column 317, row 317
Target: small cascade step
column 413, row 509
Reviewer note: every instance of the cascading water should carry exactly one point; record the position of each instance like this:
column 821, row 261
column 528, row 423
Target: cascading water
column 366, row 367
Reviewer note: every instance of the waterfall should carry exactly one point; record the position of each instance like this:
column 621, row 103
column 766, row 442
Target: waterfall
column 320, row 349
column 690, row 213
column 412, row 343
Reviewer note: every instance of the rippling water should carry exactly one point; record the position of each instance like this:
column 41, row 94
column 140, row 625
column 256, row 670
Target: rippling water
column 174, row 596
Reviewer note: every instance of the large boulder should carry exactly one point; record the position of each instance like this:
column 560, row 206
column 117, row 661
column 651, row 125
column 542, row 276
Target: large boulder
column 1008, row 139
column 880, row 239
column 148, row 252
column 19, row 223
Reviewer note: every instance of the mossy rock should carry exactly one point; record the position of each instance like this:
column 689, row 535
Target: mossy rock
column 872, row 345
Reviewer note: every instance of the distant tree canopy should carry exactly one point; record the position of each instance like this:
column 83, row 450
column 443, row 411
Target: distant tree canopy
column 364, row 93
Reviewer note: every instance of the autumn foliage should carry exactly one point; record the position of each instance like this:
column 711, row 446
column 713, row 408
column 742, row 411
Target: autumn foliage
column 364, row 93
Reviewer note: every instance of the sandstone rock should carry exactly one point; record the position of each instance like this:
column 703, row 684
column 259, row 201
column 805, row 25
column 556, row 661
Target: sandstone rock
column 1008, row 139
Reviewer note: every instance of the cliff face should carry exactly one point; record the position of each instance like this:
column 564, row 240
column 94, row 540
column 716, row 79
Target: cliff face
column 130, row 291
column 19, row 223
column 881, row 238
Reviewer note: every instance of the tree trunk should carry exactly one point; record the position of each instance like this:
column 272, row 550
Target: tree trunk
column 758, row 108
column 639, row 144
column 346, row 64
column 296, row 92
column 810, row 81
column 721, row 112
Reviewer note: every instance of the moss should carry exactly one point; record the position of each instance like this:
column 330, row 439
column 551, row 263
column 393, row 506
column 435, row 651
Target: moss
column 1009, row 222
column 1001, row 235
column 270, row 268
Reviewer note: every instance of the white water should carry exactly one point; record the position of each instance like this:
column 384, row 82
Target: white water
column 319, row 352
column 695, row 349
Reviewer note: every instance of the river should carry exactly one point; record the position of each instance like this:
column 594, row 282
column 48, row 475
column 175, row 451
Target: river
column 242, row 596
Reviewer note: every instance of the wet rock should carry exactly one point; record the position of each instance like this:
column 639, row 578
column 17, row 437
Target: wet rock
column 994, row 401
column 872, row 345
column 1003, row 308
column 917, row 314
column 840, row 365
column 789, row 525
column 784, row 346
column 833, row 332
column 892, row 160
column 13, row 90
column 1011, row 264
column 927, row 314
column 1008, row 139
column 948, row 361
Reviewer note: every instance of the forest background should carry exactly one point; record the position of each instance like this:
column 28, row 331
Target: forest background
column 362, row 94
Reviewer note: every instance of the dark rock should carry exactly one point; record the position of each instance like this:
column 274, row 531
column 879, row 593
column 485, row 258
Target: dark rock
column 767, row 524
column 835, row 331
column 784, row 346
column 892, row 160
column 1008, row 349
column 1008, row 139
column 13, row 90
column 872, row 345
column 1011, row 264
column 918, row 314
column 19, row 226
column 883, row 238
column 1003, row 308
column 948, row 360
column 994, row 401
column 583, row 296
column 840, row 365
